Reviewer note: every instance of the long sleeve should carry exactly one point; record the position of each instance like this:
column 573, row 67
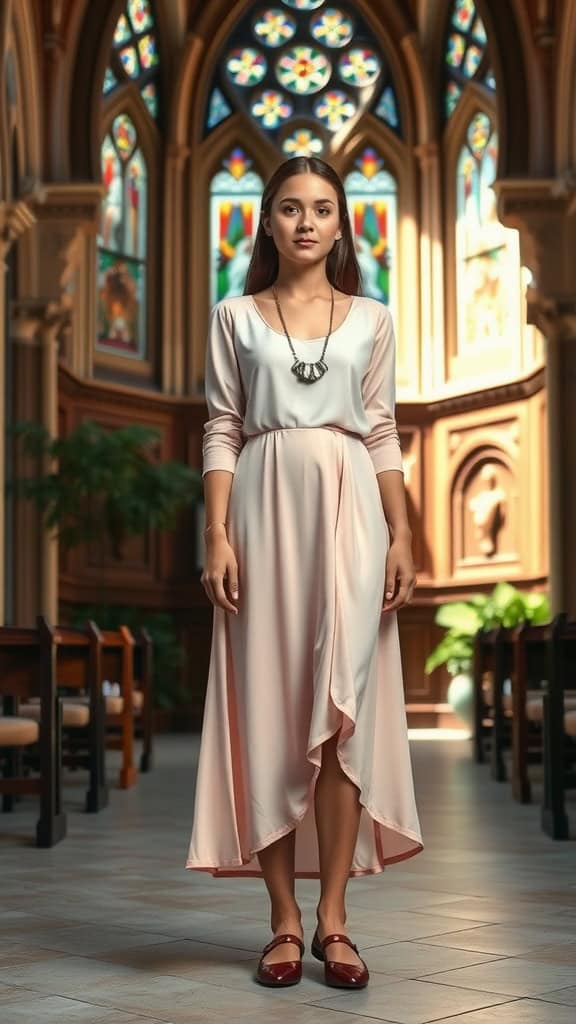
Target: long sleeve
column 378, row 393
column 223, row 438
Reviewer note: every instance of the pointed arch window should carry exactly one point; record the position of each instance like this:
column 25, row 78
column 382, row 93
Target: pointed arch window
column 466, row 54
column 372, row 195
column 235, row 196
column 304, row 73
column 487, row 253
column 132, row 97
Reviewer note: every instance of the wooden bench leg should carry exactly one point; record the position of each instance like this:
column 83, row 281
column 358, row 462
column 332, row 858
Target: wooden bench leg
column 51, row 825
column 554, row 819
column 97, row 795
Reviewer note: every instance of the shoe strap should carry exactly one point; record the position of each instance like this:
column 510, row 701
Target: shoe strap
column 278, row 940
column 338, row 938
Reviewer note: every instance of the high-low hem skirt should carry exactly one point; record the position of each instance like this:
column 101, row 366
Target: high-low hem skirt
column 310, row 654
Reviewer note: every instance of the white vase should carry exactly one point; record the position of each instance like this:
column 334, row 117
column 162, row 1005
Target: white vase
column 460, row 697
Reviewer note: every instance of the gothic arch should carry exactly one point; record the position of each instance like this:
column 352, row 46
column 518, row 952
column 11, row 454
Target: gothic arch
column 510, row 61
column 23, row 136
column 565, row 156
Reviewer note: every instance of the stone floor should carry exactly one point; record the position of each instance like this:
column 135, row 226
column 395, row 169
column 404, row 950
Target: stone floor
column 108, row 928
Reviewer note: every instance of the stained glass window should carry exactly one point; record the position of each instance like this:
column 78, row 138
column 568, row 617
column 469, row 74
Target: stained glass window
column 122, row 295
column 315, row 59
column 487, row 254
column 122, row 243
column 135, row 54
column 372, row 196
column 235, row 195
column 466, row 53
column 302, row 142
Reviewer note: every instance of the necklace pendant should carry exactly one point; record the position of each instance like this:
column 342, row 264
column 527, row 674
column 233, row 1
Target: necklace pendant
column 309, row 373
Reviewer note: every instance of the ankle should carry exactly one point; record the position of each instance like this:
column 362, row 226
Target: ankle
column 331, row 919
column 287, row 919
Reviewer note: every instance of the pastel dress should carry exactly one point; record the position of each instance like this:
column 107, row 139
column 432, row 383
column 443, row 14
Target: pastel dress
column 310, row 653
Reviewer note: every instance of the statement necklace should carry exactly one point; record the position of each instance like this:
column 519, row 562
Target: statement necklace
column 307, row 373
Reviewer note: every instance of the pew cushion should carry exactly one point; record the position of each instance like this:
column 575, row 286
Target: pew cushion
column 535, row 707
column 74, row 714
column 17, row 732
column 115, row 705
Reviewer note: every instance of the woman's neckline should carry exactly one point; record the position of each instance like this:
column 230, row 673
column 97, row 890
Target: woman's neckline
column 304, row 341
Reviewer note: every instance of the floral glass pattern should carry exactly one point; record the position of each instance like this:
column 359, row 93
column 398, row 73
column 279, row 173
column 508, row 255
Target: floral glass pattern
column 466, row 53
column 332, row 27
column 235, row 196
column 303, row 5
column 274, row 27
column 271, row 108
column 303, row 69
column 334, row 109
column 246, row 66
column 321, row 56
column 302, row 142
column 135, row 54
column 359, row 67
column 371, row 193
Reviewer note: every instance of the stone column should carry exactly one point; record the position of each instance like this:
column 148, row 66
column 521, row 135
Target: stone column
column 545, row 214
column 15, row 219
column 175, row 268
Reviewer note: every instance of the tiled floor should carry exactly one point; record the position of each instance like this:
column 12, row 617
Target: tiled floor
column 108, row 928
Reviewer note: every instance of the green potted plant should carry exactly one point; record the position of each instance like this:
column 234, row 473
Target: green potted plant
column 96, row 484
column 505, row 606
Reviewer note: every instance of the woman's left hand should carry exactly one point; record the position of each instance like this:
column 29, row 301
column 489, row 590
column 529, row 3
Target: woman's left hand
column 400, row 575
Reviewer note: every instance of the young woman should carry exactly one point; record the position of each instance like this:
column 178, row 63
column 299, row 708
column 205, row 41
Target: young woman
column 304, row 767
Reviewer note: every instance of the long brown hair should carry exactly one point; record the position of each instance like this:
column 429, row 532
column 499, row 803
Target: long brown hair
column 342, row 269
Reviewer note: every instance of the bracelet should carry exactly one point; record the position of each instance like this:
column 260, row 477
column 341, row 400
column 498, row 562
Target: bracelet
column 213, row 524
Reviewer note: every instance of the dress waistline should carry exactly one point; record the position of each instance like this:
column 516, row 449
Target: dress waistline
column 321, row 426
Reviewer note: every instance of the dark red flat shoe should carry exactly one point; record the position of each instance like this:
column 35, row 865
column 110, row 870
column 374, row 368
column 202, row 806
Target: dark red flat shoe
column 289, row 972
column 337, row 974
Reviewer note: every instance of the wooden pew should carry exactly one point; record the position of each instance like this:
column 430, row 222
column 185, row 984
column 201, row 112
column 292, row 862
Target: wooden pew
column 143, row 668
column 559, row 728
column 28, row 669
column 528, row 676
column 493, row 657
column 118, row 665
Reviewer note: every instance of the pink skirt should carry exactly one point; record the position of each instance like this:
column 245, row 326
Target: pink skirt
column 309, row 654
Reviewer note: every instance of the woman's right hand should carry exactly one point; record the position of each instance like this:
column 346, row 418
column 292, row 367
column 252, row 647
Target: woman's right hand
column 220, row 564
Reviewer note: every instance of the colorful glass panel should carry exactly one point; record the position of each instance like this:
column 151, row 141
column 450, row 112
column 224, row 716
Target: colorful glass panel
column 453, row 94
column 246, row 66
column 111, row 211
column 359, row 67
column 387, row 108
column 124, row 134
column 479, row 132
column 371, row 193
column 302, row 142
column 271, row 108
column 140, row 15
column 456, row 50
column 332, row 27
column 130, row 61
column 488, row 265
column 150, row 96
column 122, row 31
column 303, row 5
column 473, row 60
column 121, row 306
column 110, row 81
column 148, row 52
column 479, row 32
column 489, row 79
column 334, row 109
column 274, row 27
column 464, row 11
column 218, row 109
column 303, row 69
column 235, row 196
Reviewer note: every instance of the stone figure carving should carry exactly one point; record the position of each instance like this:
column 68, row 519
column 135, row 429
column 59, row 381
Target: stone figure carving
column 488, row 509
